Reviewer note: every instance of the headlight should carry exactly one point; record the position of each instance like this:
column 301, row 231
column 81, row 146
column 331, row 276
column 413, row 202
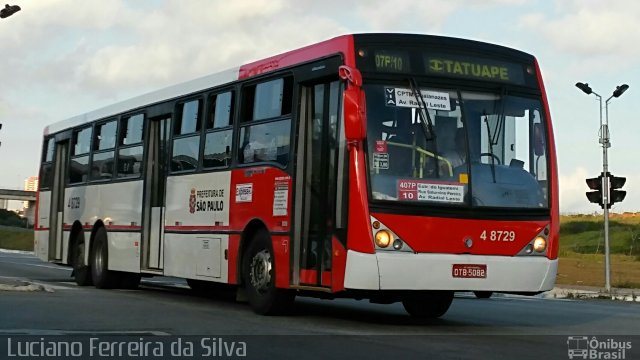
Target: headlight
column 540, row 244
column 383, row 238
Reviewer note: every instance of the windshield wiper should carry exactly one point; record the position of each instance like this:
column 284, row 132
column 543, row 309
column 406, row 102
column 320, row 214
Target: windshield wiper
column 492, row 155
column 425, row 121
column 493, row 138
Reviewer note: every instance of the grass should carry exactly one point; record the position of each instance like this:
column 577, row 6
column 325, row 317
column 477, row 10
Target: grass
column 582, row 250
column 16, row 239
column 588, row 270
column 583, row 234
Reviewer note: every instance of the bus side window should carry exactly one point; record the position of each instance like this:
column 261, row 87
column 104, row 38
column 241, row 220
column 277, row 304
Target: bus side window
column 266, row 130
column 79, row 162
column 219, row 134
column 130, row 146
column 104, row 143
column 186, row 138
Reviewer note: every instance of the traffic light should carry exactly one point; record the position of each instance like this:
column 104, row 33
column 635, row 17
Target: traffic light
column 615, row 195
column 616, row 183
column 595, row 196
column 9, row 10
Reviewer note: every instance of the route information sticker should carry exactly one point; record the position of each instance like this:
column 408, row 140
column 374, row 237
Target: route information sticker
column 414, row 190
column 381, row 161
column 400, row 97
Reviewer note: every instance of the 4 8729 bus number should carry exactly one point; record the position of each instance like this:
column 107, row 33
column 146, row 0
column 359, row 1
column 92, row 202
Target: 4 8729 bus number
column 498, row 235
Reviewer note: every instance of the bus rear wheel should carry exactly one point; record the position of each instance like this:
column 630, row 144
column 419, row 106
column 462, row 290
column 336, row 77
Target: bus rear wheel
column 103, row 278
column 81, row 271
column 428, row 304
column 259, row 278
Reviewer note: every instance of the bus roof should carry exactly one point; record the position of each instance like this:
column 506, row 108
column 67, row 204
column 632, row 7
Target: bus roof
column 153, row 97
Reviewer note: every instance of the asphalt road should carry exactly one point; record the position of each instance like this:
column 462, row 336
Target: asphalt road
column 495, row 328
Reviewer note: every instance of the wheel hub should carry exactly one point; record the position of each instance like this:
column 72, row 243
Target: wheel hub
column 260, row 271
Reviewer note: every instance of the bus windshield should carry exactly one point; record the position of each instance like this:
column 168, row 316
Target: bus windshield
column 480, row 149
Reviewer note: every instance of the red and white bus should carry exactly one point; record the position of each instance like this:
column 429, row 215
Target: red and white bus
column 389, row 167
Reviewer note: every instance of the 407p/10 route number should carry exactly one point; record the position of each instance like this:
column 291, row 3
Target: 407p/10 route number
column 498, row 235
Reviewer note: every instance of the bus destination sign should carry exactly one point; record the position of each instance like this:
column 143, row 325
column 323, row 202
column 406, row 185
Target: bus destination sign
column 392, row 61
column 474, row 68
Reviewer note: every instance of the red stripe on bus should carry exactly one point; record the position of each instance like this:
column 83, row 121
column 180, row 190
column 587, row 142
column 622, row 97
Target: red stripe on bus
column 108, row 227
column 118, row 227
column 35, row 221
column 195, row 228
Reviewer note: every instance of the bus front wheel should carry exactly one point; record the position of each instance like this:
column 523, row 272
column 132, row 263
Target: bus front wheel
column 259, row 278
column 428, row 304
column 483, row 294
column 103, row 278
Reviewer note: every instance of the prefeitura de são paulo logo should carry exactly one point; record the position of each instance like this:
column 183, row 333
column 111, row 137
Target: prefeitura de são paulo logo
column 583, row 347
column 192, row 201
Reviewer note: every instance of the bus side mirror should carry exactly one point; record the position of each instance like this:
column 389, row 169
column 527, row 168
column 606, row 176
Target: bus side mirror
column 538, row 139
column 355, row 119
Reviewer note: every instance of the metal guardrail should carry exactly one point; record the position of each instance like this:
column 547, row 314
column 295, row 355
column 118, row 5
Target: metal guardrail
column 20, row 195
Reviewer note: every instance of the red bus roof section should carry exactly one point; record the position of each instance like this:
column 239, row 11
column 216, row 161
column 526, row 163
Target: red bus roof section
column 338, row 45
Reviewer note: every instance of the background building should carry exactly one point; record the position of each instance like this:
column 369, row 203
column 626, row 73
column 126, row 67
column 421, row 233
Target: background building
column 30, row 184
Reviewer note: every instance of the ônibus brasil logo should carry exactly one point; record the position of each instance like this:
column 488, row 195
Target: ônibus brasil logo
column 581, row 347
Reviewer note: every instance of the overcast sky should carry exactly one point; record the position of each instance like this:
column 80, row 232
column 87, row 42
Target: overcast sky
column 60, row 58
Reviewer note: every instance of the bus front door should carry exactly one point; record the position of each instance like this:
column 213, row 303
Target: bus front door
column 318, row 195
column 154, row 194
column 56, row 215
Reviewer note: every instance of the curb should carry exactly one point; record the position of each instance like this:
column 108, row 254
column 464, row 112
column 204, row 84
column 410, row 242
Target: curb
column 15, row 284
column 586, row 293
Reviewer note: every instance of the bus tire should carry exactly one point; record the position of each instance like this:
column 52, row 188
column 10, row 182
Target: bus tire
column 428, row 304
column 483, row 294
column 103, row 278
column 259, row 278
column 81, row 271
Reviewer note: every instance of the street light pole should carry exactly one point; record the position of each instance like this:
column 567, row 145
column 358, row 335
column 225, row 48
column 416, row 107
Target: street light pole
column 604, row 140
column 606, row 144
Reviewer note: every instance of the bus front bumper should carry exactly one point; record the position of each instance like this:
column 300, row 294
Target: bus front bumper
column 408, row 271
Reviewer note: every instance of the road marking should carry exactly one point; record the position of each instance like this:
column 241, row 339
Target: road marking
column 6, row 251
column 39, row 265
column 70, row 286
column 79, row 332
column 509, row 297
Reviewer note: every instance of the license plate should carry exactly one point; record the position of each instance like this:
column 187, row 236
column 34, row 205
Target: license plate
column 474, row 271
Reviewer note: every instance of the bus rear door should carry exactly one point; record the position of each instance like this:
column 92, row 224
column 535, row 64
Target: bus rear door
column 154, row 194
column 56, row 215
